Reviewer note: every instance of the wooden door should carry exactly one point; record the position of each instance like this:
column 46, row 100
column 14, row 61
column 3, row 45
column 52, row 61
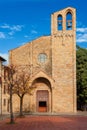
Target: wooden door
column 42, row 100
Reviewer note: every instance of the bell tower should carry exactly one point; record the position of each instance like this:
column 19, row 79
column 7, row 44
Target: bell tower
column 63, row 34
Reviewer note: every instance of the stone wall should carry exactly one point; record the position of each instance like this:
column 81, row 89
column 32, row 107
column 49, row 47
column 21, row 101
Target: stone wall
column 60, row 65
column 28, row 55
column 64, row 64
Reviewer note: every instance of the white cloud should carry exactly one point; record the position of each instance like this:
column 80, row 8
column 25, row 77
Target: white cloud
column 32, row 35
column 2, row 35
column 5, row 56
column 81, row 38
column 11, row 33
column 82, row 30
column 81, row 34
column 34, row 32
column 26, row 36
column 5, row 26
column 16, row 27
column 11, row 29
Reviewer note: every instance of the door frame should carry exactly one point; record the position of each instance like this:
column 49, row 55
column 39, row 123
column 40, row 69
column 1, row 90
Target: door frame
column 42, row 96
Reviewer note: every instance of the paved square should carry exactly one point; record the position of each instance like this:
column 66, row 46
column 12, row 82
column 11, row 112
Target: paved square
column 46, row 123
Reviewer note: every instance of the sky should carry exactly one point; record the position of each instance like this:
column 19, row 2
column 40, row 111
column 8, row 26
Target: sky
column 22, row 21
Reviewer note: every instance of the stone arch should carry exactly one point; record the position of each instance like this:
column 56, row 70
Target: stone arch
column 42, row 80
column 69, row 17
column 60, row 22
column 42, row 95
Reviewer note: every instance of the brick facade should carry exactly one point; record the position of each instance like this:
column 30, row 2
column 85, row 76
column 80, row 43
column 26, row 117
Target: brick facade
column 54, row 72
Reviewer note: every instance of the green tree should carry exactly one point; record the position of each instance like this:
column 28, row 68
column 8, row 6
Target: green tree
column 81, row 55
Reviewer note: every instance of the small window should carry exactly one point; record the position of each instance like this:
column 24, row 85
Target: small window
column 42, row 58
column 69, row 21
column 60, row 27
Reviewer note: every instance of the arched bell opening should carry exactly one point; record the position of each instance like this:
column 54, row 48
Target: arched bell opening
column 69, row 21
column 60, row 23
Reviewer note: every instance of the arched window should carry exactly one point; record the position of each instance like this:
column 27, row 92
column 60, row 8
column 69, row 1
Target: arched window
column 60, row 26
column 69, row 21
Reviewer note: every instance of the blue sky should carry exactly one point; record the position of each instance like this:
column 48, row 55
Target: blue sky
column 24, row 20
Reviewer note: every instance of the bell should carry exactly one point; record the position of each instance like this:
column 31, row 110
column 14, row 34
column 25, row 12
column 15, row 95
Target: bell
column 69, row 24
column 59, row 22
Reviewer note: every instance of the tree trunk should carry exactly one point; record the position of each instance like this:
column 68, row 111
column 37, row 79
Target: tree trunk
column 21, row 106
column 11, row 107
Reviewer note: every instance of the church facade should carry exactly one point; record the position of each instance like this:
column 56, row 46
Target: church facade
column 53, row 60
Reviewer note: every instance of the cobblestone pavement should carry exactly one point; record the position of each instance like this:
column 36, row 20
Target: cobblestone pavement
column 46, row 123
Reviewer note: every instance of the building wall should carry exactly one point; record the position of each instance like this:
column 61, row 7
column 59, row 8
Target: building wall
column 64, row 63
column 4, row 96
column 28, row 55
column 5, row 91
column 60, row 66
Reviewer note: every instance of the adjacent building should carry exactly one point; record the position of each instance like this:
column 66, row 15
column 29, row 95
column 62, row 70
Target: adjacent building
column 3, row 87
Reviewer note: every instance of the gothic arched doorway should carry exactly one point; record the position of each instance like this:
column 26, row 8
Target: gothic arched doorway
column 43, row 94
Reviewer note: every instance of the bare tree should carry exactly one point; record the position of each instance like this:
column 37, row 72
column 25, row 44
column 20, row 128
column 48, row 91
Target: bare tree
column 10, row 82
column 22, row 84
column 19, row 83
